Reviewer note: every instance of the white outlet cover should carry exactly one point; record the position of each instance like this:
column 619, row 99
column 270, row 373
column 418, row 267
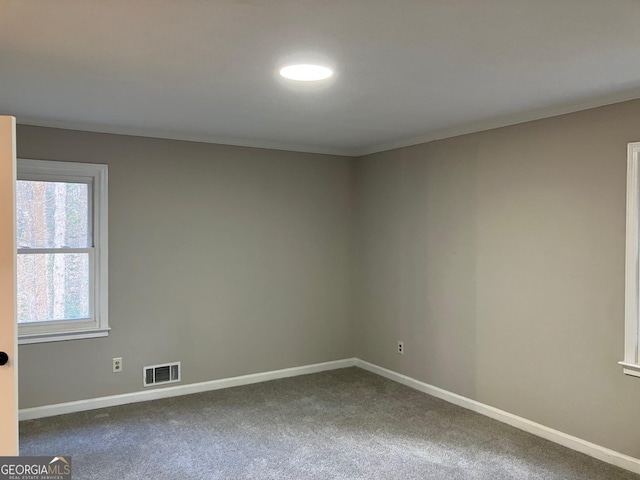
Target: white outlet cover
column 117, row 365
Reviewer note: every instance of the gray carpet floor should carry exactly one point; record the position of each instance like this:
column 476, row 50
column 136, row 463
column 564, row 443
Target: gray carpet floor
column 342, row 424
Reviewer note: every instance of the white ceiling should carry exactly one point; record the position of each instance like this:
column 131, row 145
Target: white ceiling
column 407, row 70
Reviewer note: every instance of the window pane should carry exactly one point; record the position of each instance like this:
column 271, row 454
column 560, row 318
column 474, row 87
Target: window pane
column 53, row 286
column 52, row 214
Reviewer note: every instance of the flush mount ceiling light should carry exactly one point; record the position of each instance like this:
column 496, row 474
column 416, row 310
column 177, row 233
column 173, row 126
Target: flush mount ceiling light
column 306, row 72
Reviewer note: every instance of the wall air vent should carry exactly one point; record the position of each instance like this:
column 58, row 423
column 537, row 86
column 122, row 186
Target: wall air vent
column 161, row 374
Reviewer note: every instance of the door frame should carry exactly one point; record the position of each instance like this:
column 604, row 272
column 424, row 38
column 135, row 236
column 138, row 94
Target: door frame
column 8, row 323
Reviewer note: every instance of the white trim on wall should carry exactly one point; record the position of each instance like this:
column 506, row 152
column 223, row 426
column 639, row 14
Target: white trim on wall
column 596, row 451
column 156, row 394
column 574, row 443
column 631, row 362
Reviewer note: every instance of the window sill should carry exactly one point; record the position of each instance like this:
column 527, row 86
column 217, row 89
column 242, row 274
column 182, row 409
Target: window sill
column 631, row 368
column 61, row 336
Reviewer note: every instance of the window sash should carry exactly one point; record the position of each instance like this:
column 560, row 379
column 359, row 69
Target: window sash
column 41, row 251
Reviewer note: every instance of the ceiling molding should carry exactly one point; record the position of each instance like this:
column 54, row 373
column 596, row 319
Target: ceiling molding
column 504, row 121
column 474, row 127
column 185, row 136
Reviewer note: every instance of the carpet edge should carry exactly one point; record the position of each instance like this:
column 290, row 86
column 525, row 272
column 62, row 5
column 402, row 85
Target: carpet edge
column 175, row 391
column 574, row 443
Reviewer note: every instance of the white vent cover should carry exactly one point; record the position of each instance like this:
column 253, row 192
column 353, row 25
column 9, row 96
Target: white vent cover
column 161, row 374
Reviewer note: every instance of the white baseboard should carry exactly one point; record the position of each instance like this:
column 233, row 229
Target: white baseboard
column 574, row 443
column 596, row 451
column 155, row 394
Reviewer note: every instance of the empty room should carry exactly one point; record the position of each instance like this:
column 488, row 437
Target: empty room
column 319, row 239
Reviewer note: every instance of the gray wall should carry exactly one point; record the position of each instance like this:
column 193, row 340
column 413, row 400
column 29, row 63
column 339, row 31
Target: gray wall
column 498, row 258
column 232, row 260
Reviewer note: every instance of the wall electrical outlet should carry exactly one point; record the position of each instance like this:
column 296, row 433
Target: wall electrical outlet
column 117, row 365
column 400, row 347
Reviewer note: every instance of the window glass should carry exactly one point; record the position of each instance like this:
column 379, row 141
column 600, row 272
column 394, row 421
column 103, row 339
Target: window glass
column 52, row 214
column 53, row 286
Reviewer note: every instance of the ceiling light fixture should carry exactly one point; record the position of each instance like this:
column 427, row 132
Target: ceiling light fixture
column 306, row 72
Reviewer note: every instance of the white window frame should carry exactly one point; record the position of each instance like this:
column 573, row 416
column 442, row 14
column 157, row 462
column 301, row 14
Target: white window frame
column 631, row 362
column 96, row 176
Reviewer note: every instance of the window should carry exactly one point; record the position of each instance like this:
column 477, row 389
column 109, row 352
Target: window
column 631, row 363
column 61, row 219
